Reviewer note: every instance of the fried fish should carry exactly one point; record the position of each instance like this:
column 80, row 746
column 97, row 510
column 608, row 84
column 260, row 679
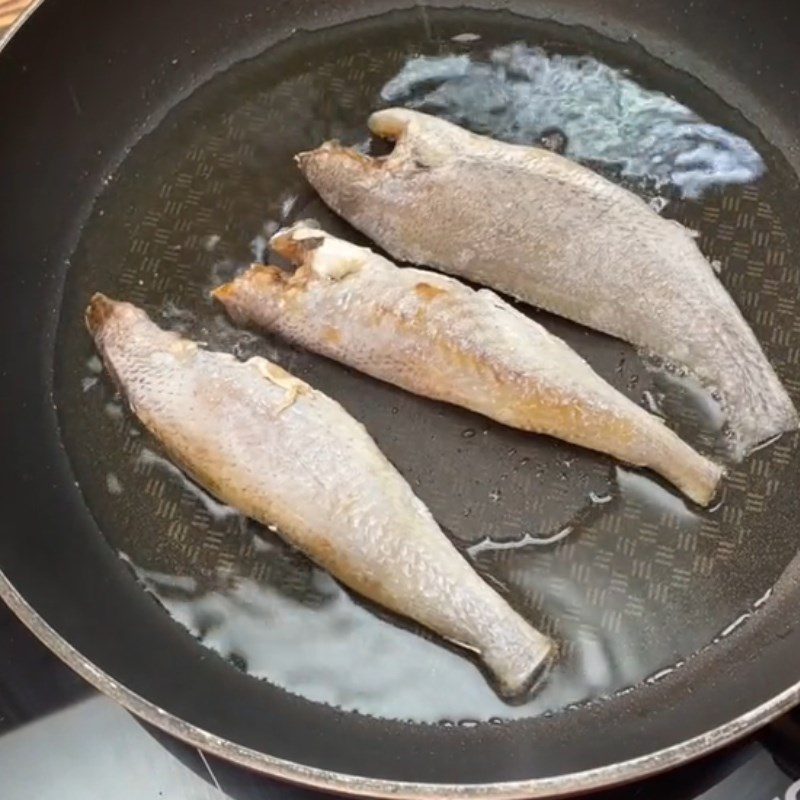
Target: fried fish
column 437, row 337
column 285, row 454
column 551, row 232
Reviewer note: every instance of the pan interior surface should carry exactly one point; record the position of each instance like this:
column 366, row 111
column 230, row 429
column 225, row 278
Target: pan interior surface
column 627, row 577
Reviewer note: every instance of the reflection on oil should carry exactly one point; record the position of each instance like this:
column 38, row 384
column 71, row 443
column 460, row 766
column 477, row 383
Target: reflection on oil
column 305, row 633
column 519, row 93
column 338, row 652
column 646, row 492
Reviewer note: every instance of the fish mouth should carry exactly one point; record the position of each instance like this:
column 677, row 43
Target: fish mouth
column 226, row 293
column 265, row 277
column 537, row 678
column 391, row 126
column 98, row 312
column 103, row 309
column 417, row 142
column 334, row 149
column 298, row 245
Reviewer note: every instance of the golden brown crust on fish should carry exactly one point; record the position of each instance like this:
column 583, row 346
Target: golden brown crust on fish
column 428, row 292
column 282, row 453
column 436, row 337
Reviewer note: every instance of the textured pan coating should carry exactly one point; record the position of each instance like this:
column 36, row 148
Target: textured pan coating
column 434, row 336
column 555, row 234
column 285, row 454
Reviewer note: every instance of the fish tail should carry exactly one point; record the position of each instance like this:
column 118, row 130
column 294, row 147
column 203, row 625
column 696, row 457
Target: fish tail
column 757, row 405
column 333, row 169
column 695, row 475
column 517, row 662
column 261, row 280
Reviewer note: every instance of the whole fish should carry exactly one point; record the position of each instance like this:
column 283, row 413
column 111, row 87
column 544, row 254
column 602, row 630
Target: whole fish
column 283, row 453
column 548, row 231
column 437, row 337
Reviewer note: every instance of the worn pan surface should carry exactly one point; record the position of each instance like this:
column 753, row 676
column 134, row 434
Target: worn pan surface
column 145, row 151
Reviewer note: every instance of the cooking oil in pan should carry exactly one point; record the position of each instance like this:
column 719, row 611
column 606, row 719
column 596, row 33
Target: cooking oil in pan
column 627, row 577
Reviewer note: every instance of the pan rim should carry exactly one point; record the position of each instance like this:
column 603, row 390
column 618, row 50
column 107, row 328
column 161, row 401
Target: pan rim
column 358, row 786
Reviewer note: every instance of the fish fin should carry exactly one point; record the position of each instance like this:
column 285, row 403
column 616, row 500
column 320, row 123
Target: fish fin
column 294, row 387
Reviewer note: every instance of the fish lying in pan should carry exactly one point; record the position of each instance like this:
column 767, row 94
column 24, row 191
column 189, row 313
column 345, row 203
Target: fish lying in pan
column 541, row 228
column 437, row 337
column 285, row 454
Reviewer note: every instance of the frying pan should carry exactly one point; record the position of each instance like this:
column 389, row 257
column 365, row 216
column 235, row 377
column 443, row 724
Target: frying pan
column 678, row 628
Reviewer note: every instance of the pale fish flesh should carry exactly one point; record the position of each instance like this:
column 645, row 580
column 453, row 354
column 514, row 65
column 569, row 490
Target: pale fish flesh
column 287, row 455
column 437, row 337
column 548, row 231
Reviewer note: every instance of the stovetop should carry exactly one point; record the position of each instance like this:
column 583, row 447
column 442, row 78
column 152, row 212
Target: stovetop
column 61, row 740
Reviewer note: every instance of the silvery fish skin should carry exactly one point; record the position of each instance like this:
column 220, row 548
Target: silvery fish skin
column 435, row 336
column 548, row 231
column 283, row 453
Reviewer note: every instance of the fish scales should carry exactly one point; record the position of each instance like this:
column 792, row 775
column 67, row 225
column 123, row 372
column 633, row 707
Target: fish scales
column 268, row 444
column 553, row 233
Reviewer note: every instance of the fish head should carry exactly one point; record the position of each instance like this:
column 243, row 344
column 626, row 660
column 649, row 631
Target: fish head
column 124, row 334
column 343, row 176
column 100, row 310
column 263, row 285
column 107, row 318
column 361, row 187
column 320, row 259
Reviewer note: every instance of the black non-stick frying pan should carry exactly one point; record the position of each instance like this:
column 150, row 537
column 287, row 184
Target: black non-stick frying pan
column 145, row 151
